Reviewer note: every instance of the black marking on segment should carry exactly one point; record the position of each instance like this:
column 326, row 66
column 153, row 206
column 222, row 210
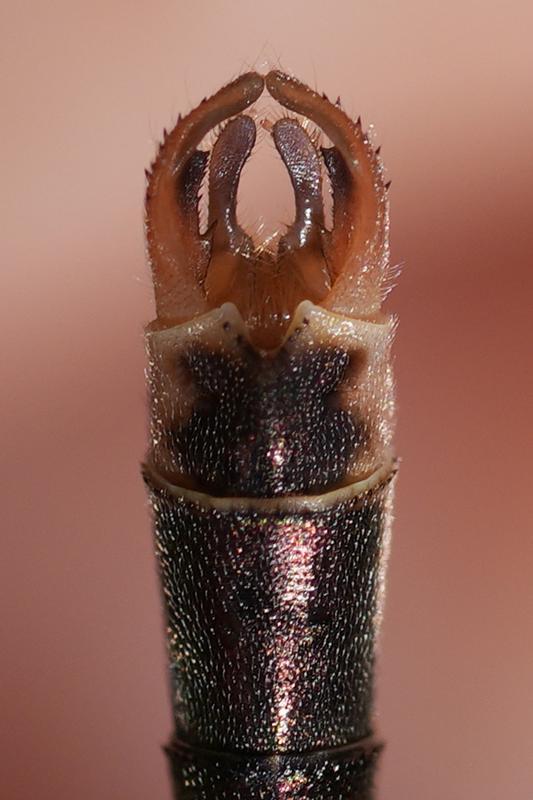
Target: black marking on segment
column 265, row 427
column 189, row 185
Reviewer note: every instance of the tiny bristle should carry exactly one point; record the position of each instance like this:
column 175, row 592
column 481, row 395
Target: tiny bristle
column 389, row 280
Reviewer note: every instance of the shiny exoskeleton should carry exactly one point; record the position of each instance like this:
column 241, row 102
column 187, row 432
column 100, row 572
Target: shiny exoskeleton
column 270, row 468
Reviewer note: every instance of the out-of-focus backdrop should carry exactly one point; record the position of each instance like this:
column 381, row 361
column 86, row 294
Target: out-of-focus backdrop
column 87, row 90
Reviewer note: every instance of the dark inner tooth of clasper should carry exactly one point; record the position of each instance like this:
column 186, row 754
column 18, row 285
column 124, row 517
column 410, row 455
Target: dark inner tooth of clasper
column 343, row 190
column 300, row 254
column 231, row 247
column 188, row 188
column 229, row 156
column 303, row 165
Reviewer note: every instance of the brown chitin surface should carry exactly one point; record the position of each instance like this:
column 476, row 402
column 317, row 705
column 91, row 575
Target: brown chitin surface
column 344, row 269
column 179, row 255
column 356, row 249
column 270, row 467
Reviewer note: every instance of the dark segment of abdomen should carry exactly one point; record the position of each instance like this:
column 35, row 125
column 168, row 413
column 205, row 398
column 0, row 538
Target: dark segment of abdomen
column 271, row 617
column 343, row 774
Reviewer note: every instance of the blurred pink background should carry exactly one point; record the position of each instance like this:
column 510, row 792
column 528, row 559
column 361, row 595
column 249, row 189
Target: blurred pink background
column 88, row 89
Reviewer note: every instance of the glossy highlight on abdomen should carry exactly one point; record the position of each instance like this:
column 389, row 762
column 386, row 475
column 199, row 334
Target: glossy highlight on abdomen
column 271, row 650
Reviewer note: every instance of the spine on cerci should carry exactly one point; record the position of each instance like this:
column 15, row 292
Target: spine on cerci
column 272, row 565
